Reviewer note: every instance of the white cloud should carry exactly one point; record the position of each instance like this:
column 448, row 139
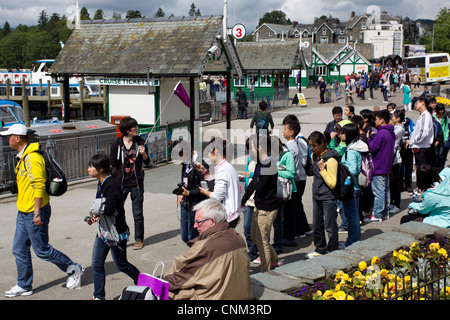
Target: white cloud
column 247, row 12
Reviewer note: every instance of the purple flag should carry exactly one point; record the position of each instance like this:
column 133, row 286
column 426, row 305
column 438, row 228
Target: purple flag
column 182, row 94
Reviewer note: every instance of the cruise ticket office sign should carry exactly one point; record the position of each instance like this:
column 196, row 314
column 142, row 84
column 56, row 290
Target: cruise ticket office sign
column 123, row 82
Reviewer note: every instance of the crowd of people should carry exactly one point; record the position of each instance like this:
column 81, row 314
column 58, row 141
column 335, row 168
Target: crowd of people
column 380, row 148
column 387, row 80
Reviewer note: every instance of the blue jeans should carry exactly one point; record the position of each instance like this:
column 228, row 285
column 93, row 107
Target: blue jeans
column 28, row 234
column 351, row 213
column 380, row 189
column 119, row 255
column 137, row 201
column 187, row 217
column 248, row 215
column 324, row 218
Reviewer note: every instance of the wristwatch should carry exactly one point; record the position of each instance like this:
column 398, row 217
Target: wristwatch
column 37, row 214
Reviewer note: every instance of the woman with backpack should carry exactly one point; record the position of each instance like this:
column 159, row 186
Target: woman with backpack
column 324, row 191
column 352, row 159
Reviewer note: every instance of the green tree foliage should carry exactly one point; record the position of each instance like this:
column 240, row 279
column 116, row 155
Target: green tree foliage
column 160, row 13
column 441, row 32
column 276, row 17
column 193, row 11
column 21, row 47
column 131, row 14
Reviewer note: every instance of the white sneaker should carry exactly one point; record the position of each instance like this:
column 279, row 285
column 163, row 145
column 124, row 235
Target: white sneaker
column 393, row 209
column 257, row 260
column 372, row 219
column 75, row 272
column 17, row 291
column 312, row 255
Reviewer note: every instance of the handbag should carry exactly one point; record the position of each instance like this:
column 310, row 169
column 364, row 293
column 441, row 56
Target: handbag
column 160, row 287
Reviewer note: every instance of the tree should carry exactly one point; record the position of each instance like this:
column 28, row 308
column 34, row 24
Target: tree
column 160, row 13
column 98, row 14
column 43, row 19
column 276, row 17
column 194, row 11
column 6, row 28
column 116, row 15
column 441, row 32
column 132, row 14
column 84, row 14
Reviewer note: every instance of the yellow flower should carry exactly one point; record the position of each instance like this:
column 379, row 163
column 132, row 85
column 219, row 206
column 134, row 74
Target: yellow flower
column 375, row 260
column 327, row 294
column 384, row 272
column 402, row 257
column 395, row 254
column 319, row 293
column 357, row 274
column 340, row 295
column 362, row 265
column 434, row 246
column 443, row 252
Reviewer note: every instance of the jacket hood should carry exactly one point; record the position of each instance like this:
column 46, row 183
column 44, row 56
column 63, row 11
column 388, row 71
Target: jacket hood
column 359, row 146
column 32, row 147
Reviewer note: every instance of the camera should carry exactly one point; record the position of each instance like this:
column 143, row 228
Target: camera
column 9, row 186
column 179, row 189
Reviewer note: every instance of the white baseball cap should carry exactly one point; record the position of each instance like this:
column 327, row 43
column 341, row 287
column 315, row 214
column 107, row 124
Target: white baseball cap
column 16, row 129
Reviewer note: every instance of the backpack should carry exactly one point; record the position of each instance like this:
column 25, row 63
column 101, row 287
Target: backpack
column 344, row 184
column 137, row 293
column 366, row 175
column 284, row 186
column 56, row 184
column 263, row 123
column 309, row 164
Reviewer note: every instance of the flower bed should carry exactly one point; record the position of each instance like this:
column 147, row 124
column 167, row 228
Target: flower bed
column 442, row 100
column 416, row 272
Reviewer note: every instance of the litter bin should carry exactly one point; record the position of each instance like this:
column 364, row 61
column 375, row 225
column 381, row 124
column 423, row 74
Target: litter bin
column 435, row 91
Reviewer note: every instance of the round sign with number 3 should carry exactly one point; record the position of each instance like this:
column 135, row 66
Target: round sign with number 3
column 238, row 31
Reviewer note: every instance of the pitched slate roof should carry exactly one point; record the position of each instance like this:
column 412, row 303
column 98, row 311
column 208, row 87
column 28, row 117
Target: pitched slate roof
column 264, row 55
column 169, row 46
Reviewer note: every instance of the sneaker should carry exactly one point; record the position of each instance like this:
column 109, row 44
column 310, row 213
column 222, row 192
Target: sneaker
column 393, row 209
column 300, row 236
column 75, row 272
column 313, row 255
column 17, row 291
column 257, row 260
column 309, row 232
column 342, row 230
column 372, row 219
column 138, row 245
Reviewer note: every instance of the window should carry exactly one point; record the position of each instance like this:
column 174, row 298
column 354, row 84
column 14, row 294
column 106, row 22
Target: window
column 324, row 31
column 363, row 26
column 239, row 82
column 438, row 59
column 252, row 77
column 341, row 39
column 270, row 33
column 415, row 63
column 321, row 70
column 342, row 31
column 361, row 36
column 266, row 79
column 397, row 36
column 323, row 39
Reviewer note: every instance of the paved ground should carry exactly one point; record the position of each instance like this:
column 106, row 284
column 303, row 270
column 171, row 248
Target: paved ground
column 71, row 235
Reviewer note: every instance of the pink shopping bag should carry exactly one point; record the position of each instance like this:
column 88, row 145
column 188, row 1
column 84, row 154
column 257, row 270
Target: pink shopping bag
column 160, row 287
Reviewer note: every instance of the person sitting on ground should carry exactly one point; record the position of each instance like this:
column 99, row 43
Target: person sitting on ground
column 216, row 266
column 434, row 208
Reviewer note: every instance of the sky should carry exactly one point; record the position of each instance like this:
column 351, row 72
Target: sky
column 246, row 12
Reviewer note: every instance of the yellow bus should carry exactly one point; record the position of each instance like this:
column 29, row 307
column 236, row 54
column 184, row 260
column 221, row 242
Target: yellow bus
column 433, row 67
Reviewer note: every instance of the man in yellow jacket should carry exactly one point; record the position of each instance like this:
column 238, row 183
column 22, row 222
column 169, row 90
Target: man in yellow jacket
column 33, row 205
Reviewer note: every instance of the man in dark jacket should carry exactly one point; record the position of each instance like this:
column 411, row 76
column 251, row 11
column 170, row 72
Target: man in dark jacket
column 241, row 99
column 127, row 154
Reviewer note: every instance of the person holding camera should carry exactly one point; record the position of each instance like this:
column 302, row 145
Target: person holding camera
column 33, row 217
column 128, row 153
column 188, row 194
column 113, row 231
